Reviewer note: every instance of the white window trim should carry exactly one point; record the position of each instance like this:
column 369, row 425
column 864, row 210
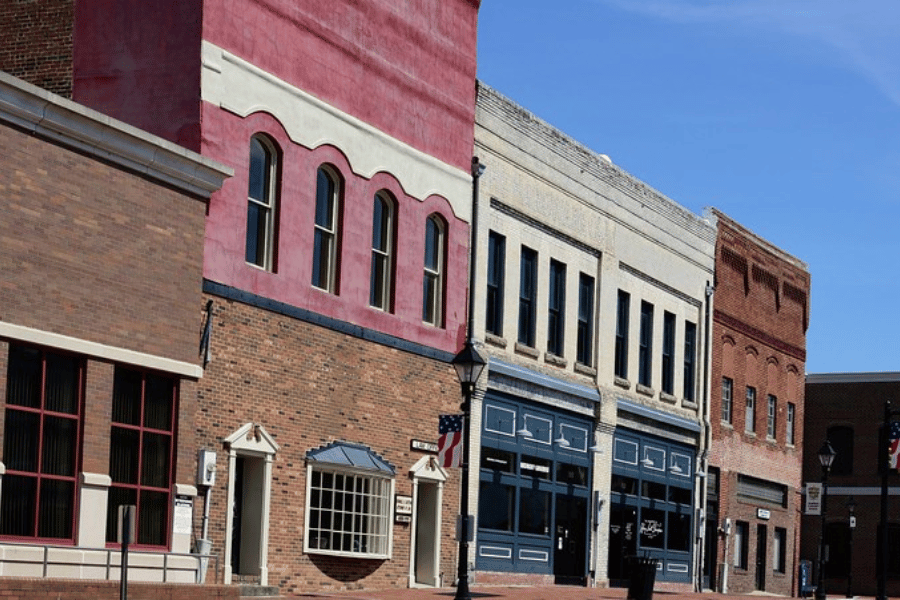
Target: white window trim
column 387, row 254
column 331, row 231
column 437, row 276
column 268, row 238
column 388, row 500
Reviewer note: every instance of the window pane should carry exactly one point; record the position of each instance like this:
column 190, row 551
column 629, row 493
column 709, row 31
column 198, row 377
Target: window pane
column 155, row 468
column 653, row 490
column 127, row 397
column 60, row 439
column 259, row 168
column 117, row 497
column 571, row 474
column 57, row 508
column 124, row 455
column 495, row 506
column 62, row 384
column 23, row 386
column 497, row 460
column 534, row 511
column 432, row 234
column 20, row 442
column 532, row 466
column 153, row 519
column 17, row 505
column 679, row 534
column 325, row 193
column 158, row 403
column 653, row 523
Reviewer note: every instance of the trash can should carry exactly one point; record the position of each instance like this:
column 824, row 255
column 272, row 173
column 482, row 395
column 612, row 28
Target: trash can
column 642, row 577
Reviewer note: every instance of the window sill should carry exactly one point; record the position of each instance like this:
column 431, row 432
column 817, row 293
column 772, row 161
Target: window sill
column 644, row 390
column 582, row 369
column 556, row 361
column 495, row 340
column 622, row 382
column 666, row 397
column 690, row 405
column 355, row 555
column 527, row 350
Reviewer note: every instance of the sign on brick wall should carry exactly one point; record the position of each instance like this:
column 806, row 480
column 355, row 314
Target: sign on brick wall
column 813, row 499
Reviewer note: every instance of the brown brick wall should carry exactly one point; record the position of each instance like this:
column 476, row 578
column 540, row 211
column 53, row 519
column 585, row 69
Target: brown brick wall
column 759, row 340
column 93, row 252
column 37, row 42
column 52, row 589
column 308, row 386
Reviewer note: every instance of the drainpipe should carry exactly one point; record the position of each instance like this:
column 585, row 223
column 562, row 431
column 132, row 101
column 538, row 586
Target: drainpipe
column 702, row 471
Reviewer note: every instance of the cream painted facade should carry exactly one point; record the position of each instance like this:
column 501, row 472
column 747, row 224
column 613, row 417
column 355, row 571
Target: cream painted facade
column 544, row 191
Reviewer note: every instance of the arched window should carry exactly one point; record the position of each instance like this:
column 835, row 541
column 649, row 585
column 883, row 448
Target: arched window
column 261, row 202
column 433, row 284
column 328, row 193
column 841, row 438
column 381, row 284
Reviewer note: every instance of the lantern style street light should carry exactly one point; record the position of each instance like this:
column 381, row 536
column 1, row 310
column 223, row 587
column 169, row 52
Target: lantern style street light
column 826, row 457
column 468, row 364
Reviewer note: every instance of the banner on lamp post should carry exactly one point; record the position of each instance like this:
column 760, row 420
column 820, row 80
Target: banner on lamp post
column 813, row 499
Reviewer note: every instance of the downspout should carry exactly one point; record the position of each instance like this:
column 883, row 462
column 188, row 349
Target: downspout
column 702, row 470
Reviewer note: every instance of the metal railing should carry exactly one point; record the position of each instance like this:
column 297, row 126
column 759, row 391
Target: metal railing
column 109, row 565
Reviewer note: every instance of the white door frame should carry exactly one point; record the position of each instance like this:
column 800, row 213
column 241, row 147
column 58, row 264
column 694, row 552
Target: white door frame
column 251, row 439
column 426, row 470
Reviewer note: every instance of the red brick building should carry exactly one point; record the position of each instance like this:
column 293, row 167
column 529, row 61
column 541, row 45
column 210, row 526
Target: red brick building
column 756, row 414
column 847, row 409
column 102, row 241
column 334, row 263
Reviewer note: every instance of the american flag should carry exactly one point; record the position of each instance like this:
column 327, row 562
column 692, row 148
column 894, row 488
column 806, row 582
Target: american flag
column 894, row 446
column 450, row 446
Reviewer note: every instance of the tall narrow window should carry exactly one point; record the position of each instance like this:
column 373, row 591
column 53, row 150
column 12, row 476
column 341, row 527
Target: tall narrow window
column 750, row 411
column 495, row 279
column 771, row 415
column 556, row 305
column 41, row 445
column 584, row 352
column 261, row 201
column 325, row 243
column 727, row 392
column 791, row 417
column 381, row 284
column 779, row 550
column 690, row 351
column 433, row 285
column 141, row 453
column 527, row 296
column 621, row 357
column 668, row 353
column 645, row 348
column 741, row 544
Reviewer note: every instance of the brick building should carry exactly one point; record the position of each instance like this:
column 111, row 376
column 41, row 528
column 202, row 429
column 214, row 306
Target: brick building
column 102, row 243
column 756, row 414
column 334, row 264
column 847, row 409
column 592, row 304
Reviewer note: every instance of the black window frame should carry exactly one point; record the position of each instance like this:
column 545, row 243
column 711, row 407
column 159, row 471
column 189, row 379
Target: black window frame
column 668, row 353
column 493, row 314
column 584, row 352
column 690, row 351
column 528, row 271
column 556, row 309
column 623, row 306
column 645, row 346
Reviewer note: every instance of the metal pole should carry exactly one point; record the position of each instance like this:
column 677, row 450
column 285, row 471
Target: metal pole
column 820, row 588
column 852, row 524
column 882, row 550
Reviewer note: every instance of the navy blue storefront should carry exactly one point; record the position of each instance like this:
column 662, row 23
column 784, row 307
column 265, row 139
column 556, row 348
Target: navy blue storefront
column 652, row 496
column 534, row 488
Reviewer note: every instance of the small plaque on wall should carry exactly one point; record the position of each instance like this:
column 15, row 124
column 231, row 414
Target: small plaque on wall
column 423, row 446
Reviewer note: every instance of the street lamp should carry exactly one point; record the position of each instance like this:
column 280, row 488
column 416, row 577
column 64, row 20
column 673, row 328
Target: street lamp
column 826, row 457
column 468, row 364
column 851, row 509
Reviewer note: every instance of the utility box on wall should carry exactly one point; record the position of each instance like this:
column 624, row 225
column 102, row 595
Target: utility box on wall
column 206, row 467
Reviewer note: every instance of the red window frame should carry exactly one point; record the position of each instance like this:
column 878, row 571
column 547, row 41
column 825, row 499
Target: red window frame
column 42, row 473
column 139, row 483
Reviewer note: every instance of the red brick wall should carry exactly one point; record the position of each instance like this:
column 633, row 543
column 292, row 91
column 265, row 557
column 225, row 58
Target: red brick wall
column 308, row 386
column 53, row 589
column 759, row 340
column 37, row 43
column 93, row 252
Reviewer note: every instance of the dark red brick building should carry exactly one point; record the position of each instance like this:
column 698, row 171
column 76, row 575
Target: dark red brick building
column 756, row 414
column 102, row 242
column 848, row 410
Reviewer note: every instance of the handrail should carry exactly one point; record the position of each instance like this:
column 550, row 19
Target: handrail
column 45, row 550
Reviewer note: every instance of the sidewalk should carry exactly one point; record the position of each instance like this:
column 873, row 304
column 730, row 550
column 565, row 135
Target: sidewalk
column 521, row 593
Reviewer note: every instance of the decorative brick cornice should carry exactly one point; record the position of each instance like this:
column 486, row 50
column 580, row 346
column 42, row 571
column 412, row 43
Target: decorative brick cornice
column 759, row 335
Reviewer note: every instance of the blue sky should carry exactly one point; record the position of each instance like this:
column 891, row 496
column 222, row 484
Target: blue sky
column 784, row 114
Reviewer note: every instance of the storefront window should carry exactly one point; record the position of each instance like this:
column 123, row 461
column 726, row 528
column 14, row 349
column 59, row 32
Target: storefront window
column 571, row 474
column 533, row 466
column 624, row 485
column 679, row 532
column 534, row 512
column 495, row 511
column 497, row 460
column 653, row 523
column 679, row 495
column 653, row 490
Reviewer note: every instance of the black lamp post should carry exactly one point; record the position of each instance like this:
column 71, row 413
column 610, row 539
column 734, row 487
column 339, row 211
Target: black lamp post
column 851, row 510
column 468, row 364
column 826, row 457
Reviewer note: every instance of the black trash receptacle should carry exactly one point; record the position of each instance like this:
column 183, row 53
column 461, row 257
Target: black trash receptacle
column 642, row 577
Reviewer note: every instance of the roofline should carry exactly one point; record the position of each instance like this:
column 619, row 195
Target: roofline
column 870, row 377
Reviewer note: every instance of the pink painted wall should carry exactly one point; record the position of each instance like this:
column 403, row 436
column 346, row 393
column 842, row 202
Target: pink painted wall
column 139, row 61
column 227, row 138
column 407, row 67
